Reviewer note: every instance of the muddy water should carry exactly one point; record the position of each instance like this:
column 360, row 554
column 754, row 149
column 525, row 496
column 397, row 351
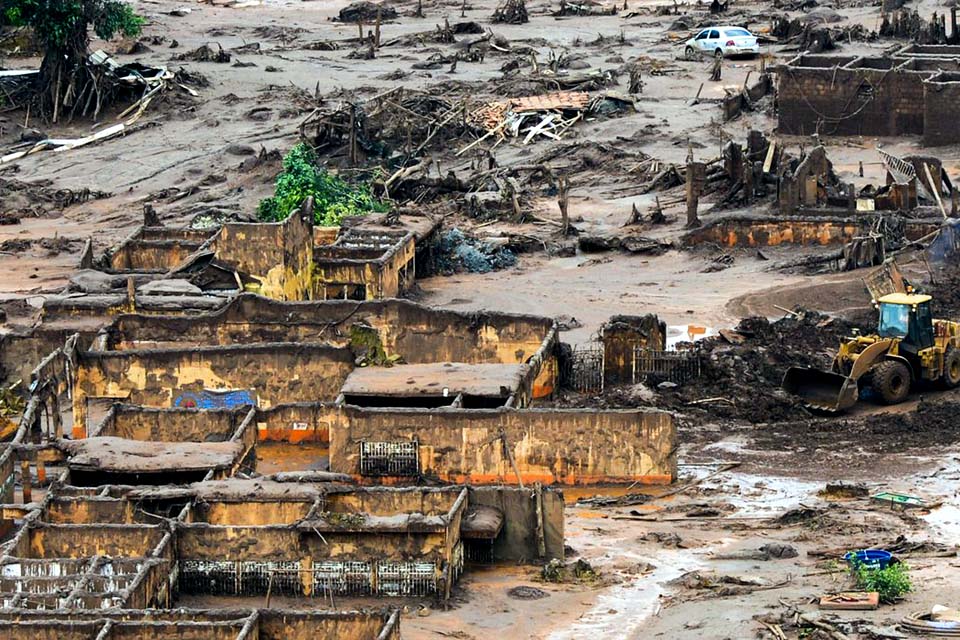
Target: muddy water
column 621, row 611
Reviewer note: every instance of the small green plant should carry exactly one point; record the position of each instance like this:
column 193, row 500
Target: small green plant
column 892, row 582
column 333, row 197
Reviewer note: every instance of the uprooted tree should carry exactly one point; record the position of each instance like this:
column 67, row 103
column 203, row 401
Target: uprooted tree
column 62, row 27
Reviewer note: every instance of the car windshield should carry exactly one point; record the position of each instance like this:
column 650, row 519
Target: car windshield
column 894, row 320
column 737, row 32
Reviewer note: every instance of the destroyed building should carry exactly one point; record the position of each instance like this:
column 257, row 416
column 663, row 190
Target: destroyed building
column 912, row 92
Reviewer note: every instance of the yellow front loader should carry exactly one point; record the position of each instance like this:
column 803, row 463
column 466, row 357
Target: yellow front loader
column 909, row 346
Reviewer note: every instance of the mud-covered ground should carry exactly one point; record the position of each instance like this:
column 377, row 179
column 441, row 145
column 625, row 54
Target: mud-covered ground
column 214, row 156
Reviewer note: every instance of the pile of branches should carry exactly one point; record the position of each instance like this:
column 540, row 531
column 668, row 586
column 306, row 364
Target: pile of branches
column 391, row 128
column 584, row 8
column 511, row 12
column 19, row 199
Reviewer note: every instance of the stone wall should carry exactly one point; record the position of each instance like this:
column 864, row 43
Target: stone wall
column 822, row 230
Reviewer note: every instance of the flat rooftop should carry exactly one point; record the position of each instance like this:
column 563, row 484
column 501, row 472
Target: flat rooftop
column 120, row 455
column 405, row 380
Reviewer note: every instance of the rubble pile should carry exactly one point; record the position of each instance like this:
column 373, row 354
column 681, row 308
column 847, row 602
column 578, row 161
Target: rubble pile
column 741, row 370
column 747, row 365
column 459, row 252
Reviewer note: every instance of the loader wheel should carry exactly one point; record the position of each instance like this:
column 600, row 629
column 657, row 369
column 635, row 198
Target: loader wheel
column 891, row 379
column 951, row 368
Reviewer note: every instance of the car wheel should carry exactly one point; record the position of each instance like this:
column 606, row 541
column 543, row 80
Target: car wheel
column 689, row 53
column 718, row 53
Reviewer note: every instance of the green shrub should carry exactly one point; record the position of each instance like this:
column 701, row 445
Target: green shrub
column 333, row 198
column 892, row 582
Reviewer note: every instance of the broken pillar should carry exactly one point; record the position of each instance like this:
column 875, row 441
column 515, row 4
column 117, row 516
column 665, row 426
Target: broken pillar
column 696, row 178
column 622, row 336
column 733, row 160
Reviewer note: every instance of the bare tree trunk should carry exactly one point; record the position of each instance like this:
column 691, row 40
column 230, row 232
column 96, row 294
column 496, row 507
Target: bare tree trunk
column 59, row 72
column 563, row 186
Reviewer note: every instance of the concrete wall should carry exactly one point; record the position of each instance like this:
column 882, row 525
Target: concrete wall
column 170, row 425
column 382, row 277
column 151, row 255
column 418, row 333
column 185, row 624
column 755, row 232
column 87, row 541
column 279, row 256
column 300, row 422
column 284, row 625
column 621, row 337
column 549, row 446
column 518, row 541
column 849, row 101
column 21, row 352
column 154, row 378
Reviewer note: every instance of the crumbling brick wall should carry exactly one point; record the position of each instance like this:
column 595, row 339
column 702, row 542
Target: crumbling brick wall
column 941, row 95
column 278, row 256
column 836, row 100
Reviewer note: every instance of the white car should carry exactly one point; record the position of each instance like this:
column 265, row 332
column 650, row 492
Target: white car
column 723, row 41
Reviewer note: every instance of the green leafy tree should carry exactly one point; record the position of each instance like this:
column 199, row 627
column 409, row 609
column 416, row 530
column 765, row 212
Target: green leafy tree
column 333, row 197
column 62, row 27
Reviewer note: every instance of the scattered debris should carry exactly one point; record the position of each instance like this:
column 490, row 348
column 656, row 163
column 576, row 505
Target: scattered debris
column 365, row 12
column 458, row 252
column 850, row 601
column 511, row 12
column 524, row 592
column 204, row 53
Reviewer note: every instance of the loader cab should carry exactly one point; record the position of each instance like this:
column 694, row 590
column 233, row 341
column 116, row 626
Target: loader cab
column 906, row 316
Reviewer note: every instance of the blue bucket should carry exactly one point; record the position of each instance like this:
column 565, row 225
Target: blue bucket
column 870, row 558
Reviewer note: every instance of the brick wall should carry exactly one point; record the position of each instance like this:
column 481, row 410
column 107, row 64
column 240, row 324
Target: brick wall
column 850, row 101
column 940, row 100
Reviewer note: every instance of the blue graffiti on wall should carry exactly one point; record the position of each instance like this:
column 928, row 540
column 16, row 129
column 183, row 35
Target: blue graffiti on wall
column 213, row 399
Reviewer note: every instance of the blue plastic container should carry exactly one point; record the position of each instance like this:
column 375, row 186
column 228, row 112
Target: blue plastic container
column 870, row 558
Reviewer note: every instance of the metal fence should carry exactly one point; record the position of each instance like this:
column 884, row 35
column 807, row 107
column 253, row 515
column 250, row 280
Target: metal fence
column 672, row 366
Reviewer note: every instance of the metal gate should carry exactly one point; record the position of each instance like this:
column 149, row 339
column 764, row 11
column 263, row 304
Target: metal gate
column 673, row 366
column 584, row 371
column 390, row 458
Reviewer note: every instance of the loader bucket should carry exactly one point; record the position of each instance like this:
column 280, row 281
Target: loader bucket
column 823, row 390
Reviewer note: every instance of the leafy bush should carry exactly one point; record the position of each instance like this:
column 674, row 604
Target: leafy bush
column 891, row 582
column 333, row 198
